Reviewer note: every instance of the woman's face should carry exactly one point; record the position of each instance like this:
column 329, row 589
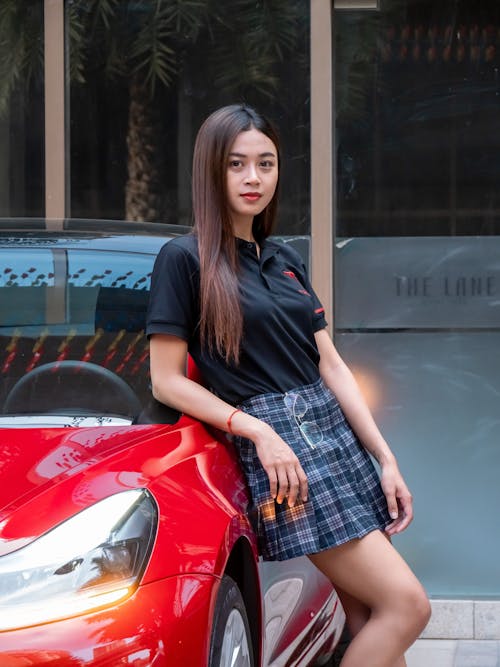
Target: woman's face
column 252, row 175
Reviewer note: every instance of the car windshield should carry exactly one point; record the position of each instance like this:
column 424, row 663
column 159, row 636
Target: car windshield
column 72, row 317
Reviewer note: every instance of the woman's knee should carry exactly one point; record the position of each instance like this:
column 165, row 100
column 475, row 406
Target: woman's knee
column 422, row 609
column 371, row 571
column 412, row 607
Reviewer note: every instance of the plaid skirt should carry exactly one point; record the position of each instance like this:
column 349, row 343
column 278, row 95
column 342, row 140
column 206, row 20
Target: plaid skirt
column 345, row 499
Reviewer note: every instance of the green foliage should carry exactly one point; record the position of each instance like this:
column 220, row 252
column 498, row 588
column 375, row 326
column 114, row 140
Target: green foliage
column 247, row 38
column 151, row 40
column 21, row 48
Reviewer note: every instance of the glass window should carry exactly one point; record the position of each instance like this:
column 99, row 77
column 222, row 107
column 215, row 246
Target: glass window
column 417, row 101
column 144, row 76
column 73, row 345
column 417, row 229
column 22, row 169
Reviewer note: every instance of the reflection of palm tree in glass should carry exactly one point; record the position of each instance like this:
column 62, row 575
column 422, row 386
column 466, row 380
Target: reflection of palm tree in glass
column 152, row 44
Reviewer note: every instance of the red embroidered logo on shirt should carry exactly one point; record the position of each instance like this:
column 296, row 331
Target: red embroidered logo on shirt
column 292, row 275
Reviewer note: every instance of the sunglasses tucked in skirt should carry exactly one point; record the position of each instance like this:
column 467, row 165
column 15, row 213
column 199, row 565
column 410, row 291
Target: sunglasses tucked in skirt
column 345, row 499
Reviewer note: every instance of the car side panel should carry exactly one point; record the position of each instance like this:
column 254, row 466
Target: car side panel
column 202, row 502
column 300, row 603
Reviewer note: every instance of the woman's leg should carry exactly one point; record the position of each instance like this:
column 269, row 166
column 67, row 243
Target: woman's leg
column 357, row 615
column 371, row 572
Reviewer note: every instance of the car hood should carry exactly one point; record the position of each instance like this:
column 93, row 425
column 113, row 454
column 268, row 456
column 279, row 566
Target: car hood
column 39, row 467
column 37, row 457
column 48, row 475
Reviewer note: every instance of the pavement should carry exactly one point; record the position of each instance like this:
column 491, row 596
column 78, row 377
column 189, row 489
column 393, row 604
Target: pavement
column 454, row 653
column 445, row 653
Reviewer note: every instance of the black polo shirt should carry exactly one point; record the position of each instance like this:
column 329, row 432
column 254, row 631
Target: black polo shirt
column 281, row 313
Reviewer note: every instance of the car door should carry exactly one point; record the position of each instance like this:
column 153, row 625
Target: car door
column 301, row 611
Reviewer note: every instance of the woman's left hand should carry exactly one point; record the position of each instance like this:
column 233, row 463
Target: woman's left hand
column 341, row 382
column 399, row 498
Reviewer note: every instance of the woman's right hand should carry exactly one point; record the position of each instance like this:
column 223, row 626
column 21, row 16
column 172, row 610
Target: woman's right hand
column 168, row 363
column 287, row 478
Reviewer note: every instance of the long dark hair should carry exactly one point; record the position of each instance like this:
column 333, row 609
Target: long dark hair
column 221, row 321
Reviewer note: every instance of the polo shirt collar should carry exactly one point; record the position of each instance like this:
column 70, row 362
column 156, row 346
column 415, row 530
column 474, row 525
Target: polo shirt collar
column 268, row 248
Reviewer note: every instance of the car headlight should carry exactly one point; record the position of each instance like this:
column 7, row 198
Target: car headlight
column 94, row 559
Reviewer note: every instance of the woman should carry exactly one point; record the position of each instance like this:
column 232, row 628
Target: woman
column 243, row 307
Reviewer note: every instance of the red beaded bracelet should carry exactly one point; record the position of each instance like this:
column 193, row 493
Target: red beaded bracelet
column 229, row 419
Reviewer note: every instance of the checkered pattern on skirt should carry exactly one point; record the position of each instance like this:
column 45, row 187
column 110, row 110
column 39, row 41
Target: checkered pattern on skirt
column 345, row 497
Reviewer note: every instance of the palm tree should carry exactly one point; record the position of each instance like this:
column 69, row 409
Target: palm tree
column 21, row 49
column 150, row 45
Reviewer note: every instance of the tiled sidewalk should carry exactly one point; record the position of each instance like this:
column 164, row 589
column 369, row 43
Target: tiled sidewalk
column 454, row 653
column 460, row 633
column 447, row 653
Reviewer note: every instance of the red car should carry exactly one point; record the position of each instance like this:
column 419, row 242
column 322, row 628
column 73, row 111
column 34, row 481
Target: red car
column 125, row 535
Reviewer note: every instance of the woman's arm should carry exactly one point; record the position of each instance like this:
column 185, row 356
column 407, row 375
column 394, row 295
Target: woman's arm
column 168, row 356
column 341, row 382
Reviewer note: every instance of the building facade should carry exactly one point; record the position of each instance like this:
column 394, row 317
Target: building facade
column 389, row 112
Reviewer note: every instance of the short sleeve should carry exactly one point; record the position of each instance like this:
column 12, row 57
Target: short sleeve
column 319, row 320
column 173, row 301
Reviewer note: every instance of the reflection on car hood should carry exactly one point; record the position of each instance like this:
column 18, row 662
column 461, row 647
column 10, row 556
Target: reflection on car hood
column 60, row 421
column 40, row 458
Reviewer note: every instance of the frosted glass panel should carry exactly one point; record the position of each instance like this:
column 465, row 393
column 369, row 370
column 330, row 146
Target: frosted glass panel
column 417, row 265
column 418, row 282
column 436, row 397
